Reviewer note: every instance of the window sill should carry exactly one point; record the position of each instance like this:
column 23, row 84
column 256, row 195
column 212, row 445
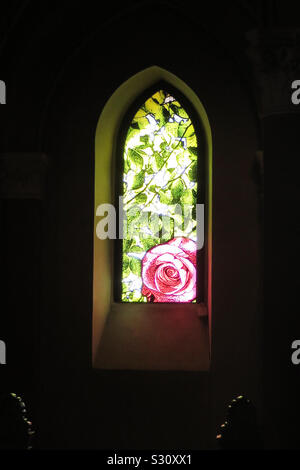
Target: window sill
column 155, row 337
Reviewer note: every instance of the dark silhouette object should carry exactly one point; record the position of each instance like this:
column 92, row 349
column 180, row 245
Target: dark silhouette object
column 16, row 430
column 240, row 429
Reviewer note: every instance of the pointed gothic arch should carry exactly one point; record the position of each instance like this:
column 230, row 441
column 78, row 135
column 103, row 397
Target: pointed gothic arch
column 107, row 154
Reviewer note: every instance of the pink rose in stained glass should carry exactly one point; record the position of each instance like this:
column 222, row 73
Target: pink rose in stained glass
column 169, row 271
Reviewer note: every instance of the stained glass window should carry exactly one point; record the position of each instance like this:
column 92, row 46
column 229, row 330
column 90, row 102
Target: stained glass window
column 160, row 156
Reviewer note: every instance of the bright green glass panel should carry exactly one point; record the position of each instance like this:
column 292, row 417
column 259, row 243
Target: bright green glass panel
column 159, row 184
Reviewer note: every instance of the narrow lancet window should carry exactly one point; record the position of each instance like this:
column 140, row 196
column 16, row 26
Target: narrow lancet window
column 160, row 178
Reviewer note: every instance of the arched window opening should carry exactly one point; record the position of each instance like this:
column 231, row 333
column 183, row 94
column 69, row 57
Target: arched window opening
column 161, row 181
column 131, row 330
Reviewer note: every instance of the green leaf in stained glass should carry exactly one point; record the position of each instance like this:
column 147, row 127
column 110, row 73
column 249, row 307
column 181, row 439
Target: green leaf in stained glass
column 150, row 243
column 145, row 139
column 138, row 180
column 159, row 160
column 135, row 266
column 126, row 245
column 136, row 249
column 141, row 198
column 165, row 197
column 136, row 158
column 192, row 174
column 193, row 152
column 177, row 190
column 188, row 197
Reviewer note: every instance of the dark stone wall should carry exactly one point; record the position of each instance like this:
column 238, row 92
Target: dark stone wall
column 61, row 65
